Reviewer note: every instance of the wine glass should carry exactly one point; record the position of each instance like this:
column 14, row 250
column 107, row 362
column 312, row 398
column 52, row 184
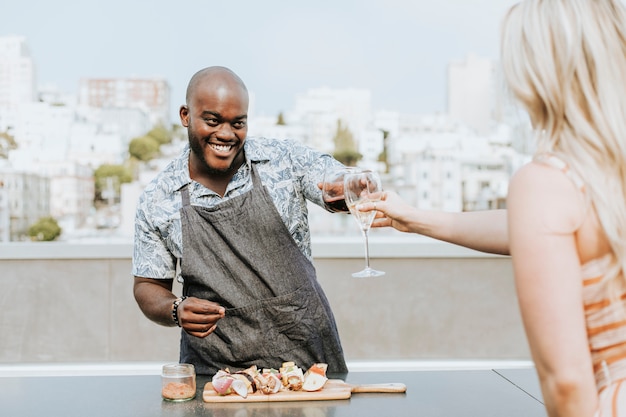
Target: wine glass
column 332, row 187
column 363, row 187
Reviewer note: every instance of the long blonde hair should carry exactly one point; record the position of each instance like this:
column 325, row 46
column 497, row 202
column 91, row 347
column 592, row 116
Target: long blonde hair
column 565, row 62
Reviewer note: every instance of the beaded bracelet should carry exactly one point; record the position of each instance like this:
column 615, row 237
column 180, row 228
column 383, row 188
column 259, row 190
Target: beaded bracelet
column 175, row 309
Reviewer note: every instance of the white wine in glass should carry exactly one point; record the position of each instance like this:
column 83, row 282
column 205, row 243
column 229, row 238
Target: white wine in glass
column 363, row 187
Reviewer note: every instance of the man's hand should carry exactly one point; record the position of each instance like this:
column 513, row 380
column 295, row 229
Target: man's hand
column 196, row 316
column 199, row 317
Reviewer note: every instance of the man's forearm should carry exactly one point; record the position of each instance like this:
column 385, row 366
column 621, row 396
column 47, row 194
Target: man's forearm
column 155, row 299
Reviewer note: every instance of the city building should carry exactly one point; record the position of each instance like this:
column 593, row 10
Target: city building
column 474, row 91
column 91, row 145
column 267, row 126
column 72, row 190
column 17, row 78
column 320, row 110
column 42, row 133
column 4, row 214
column 453, row 161
column 27, row 199
column 152, row 96
column 437, row 164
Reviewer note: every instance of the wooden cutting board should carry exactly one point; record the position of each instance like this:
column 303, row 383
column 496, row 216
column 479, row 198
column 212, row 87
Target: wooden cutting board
column 334, row 389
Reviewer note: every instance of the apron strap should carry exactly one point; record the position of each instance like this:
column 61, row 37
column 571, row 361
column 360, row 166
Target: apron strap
column 184, row 193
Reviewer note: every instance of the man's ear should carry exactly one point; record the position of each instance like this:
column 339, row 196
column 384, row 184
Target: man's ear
column 184, row 115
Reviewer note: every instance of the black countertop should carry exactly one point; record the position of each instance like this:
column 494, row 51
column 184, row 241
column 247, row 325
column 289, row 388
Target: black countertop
column 447, row 393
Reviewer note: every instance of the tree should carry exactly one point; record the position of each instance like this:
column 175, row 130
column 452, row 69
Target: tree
column 7, row 143
column 45, row 229
column 120, row 174
column 160, row 134
column 345, row 146
column 144, row 148
column 382, row 157
column 178, row 132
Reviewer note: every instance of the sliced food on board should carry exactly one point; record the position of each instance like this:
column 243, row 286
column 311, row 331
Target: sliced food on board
column 289, row 383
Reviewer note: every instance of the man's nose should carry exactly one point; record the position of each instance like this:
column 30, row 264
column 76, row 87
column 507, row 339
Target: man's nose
column 225, row 132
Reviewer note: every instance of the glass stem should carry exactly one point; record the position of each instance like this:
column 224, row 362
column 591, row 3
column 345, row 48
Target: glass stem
column 367, row 249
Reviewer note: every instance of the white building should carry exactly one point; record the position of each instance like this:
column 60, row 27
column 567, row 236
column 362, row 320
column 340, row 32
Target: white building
column 42, row 133
column 266, row 126
column 151, row 95
column 17, row 78
column 4, row 214
column 319, row 110
column 27, row 200
column 72, row 190
column 371, row 145
column 438, row 165
column 474, row 92
column 90, row 145
column 431, row 181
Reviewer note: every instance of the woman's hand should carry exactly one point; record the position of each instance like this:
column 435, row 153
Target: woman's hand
column 393, row 211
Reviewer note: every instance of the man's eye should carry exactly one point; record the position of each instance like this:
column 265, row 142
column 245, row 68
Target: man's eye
column 239, row 125
column 212, row 121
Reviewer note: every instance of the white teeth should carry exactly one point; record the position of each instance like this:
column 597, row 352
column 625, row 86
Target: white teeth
column 221, row 148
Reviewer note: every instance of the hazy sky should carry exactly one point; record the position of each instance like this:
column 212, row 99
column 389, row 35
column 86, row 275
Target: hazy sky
column 398, row 49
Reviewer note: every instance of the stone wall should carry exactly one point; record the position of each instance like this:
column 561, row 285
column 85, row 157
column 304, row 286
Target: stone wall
column 74, row 303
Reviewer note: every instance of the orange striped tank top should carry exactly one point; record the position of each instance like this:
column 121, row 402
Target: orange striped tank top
column 605, row 320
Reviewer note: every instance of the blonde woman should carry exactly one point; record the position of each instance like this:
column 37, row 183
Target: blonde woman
column 565, row 62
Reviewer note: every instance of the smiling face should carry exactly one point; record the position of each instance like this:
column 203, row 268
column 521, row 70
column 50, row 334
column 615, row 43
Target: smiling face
column 216, row 117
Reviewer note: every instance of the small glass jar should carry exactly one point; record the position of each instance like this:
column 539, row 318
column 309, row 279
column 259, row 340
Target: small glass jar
column 178, row 382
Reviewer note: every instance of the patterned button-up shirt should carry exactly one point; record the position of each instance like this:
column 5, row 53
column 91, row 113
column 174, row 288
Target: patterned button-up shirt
column 289, row 171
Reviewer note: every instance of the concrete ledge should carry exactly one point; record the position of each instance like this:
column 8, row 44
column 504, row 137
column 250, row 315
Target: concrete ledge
column 59, row 250
column 154, row 368
column 436, row 302
column 327, row 247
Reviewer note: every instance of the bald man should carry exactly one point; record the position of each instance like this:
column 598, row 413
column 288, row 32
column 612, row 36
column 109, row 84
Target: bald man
column 228, row 219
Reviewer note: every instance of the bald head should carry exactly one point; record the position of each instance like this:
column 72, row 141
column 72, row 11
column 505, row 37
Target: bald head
column 216, row 118
column 214, row 77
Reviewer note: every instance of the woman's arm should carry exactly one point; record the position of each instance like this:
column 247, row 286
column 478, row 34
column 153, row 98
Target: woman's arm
column 544, row 211
column 484, row 231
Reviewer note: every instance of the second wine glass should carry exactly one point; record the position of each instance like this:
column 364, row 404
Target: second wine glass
column 363, row 187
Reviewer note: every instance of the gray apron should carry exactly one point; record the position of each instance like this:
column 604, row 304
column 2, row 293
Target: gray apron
column 241, row 255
